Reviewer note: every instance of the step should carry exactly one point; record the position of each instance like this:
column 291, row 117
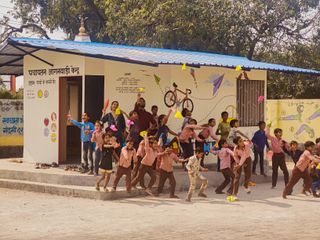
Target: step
column 69, row 190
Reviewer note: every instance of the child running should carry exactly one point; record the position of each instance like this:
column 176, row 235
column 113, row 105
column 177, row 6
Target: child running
column 301, row 169
column 234, row 132
column 294, row 151
column 164, row 130
column 124, row 167
column 105, row 167
column 242, row 158
column 225, row 155
column 194, row 169
column 166, row 159
column 278, row 157
column 151, row 153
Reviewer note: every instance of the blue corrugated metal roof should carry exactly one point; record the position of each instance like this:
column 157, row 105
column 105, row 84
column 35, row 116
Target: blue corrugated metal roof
column 153, row 55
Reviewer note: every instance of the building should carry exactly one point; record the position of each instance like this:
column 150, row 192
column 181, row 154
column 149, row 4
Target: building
column 78, row 76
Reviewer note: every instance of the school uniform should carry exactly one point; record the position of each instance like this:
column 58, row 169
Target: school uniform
column 166, row 171
column 242, row 158
column 225, row 155
column 224, row 129
column 301, row 171
column 97, row 137
column 105, row 166
column 278, row 159
column 124, row 167
column 146, row 165
column 185, row 138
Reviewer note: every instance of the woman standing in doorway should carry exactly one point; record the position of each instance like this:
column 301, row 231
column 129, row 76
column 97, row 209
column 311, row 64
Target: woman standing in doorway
column 116, row 123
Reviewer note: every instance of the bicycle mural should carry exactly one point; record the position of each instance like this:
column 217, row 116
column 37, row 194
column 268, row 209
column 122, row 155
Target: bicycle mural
column 171, row 98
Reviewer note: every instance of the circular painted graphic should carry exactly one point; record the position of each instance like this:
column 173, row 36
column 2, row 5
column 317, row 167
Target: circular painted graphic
column 46, row 132
column 300, row 108
column 53, row 127
column 46, row 94
column 53, row 137
column 53, row 117
column 46, row 121
column 40, row 94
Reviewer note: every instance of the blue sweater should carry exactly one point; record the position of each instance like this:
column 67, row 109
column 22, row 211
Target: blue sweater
column 84, row 126
column 260, row 139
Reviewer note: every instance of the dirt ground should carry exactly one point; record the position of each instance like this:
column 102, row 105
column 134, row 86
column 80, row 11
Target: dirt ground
column 261, row 215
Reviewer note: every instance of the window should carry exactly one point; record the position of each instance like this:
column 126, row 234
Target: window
column 250, row 111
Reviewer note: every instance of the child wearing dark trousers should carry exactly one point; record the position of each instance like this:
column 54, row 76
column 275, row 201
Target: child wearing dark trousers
column 278, row 157
column 98, row 138
column 301, row 169
column 166, row 159
column 243, row 160
column 294, row 152
column 151, row 153
column 225, row 155
column 124, row 168
column 259, row 141
column 223, row 130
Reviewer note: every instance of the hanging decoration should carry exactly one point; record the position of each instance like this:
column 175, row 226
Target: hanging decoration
column 105, row 106
column 178, row 115
column 157, row 79
column 113, row 128
column 260, row 99
column 184, row 66
column 143, row 133
column 238, row 68
column 216, row 84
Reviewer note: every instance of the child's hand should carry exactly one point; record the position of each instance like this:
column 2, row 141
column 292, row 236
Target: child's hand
column 237, row 167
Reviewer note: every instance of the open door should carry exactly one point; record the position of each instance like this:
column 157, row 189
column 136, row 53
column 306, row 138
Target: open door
column 69, row 136
column 94, row 97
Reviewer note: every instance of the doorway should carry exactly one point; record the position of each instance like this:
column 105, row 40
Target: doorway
column 71, row 94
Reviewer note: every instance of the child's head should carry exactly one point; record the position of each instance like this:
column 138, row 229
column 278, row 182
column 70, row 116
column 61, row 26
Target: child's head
column 310, row 146
column 199, row 152
column 167, row 148
column 224, row 116
column 161, row 119
column 278, row 132
column 185, row 112
column 154, row 110
column 114, row 105
column 234, row 123
column 129, row 143
column 97, row 125
column 141, row 103
column 133, row 115
column 223, row 143
column 106, row 137
column 153, row 143
column 212, row 122
column 294, row 145
column 192, row 121
column 109, row 131
column 262, row 125
column 85, row 117
column 238, row 141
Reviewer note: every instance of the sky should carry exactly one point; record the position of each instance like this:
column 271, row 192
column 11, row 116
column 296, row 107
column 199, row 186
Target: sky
column 7, row 5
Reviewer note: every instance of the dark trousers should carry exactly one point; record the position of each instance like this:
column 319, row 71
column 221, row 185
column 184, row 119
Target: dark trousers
column 164, row 175
column 120, row 172
column 247, row 175
column 295, row 177
column 97, row 159
column 228, row 177
column 278, row 160
column 258, row 154
column 142, row 171
column 187, row 149
column 87, row 148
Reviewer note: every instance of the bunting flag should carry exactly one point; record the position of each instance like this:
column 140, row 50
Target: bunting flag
column 178, row 115
column 157, row 79
column 130, row 122
column 193, row 74
column 118, row 111
column 106, row 104
column 141, row 90
column 143, row 133
column 216, row 84
column 184, row 66
column 113, row 128
column 318, row 166
column 260, row 99
column 238, row 68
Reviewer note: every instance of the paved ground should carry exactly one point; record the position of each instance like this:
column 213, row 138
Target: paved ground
column 260, row 215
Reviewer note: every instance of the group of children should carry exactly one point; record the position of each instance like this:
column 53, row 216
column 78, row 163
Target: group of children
column 143, row 147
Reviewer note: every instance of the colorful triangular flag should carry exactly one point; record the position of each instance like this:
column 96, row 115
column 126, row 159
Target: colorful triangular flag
column 178, row 115
column 184, row 66
column 156, row 78
column 238, row 68
column 217, row 83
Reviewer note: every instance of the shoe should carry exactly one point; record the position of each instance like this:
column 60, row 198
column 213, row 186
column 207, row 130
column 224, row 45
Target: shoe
column 284, row 196
column 306, row 193
column 148, row 191
column 316, row 195
column 97, row 188
column 113, row 189
column 174, row 196
column 188, row 200
column 106, row 189
column 202, row 195
column 90, row 173
column 235, row 198
column 273, row 187
column 247, row 190
column 220, row 192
